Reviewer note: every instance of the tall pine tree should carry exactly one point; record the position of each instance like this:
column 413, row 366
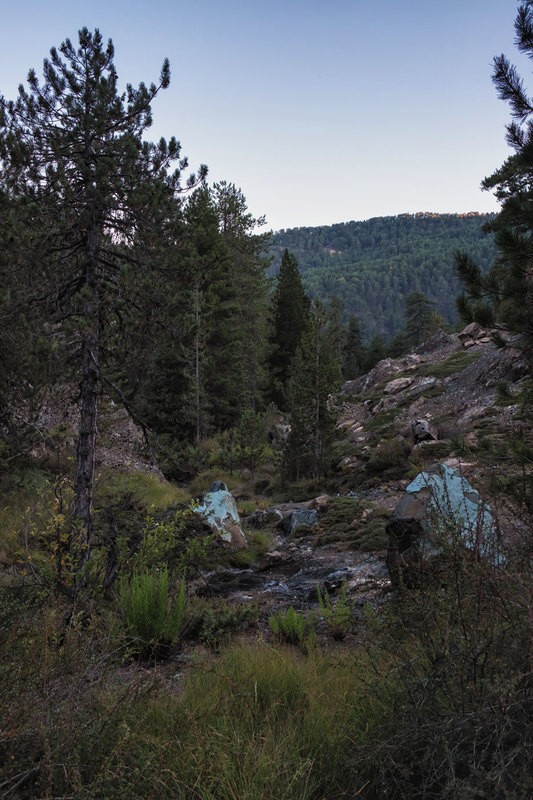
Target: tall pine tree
column 504, row 295
column 315, row 374
column 72, row 154
column 290, row 313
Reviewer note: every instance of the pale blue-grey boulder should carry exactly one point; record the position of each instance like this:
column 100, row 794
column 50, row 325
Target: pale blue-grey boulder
column 440, row 510
column 219, row 510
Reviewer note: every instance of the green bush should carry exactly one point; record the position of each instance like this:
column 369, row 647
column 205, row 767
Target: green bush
column 461, row 725
column 214, row 622
column 293, row 627
column 338, row 615
column 153, row 617
column 388, row 459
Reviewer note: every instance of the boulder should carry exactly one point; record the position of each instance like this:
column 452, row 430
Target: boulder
column 473, row 334
column 398, row 385
column 219, row 510
column 295, row 519
column 321, row 502
column 423, row 431
column 440, row 340
column 440, row 509
column 264, row 518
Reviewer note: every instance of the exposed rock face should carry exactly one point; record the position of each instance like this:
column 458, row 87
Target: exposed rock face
column 440, row 509
column 474, row 334
column 220, row 512
column 439, row 341
column 295, row 519
column 121, row 444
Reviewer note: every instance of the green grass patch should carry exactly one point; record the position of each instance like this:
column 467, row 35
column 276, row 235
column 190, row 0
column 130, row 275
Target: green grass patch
column 357, row 524
column 455, row 363
column 153, row 611
column 381, row 420
column 259, row 542
column 148, row 490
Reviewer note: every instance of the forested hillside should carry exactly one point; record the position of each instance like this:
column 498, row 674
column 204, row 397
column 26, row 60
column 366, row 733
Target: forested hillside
column 373, row 265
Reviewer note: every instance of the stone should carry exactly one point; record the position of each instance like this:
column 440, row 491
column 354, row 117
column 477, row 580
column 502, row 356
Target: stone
column 295, row 519
column 397, row 385
column 264, row 518
column 439, row 341
column 220, row 512
column 472, row 334
column 439, row 508
column 423, row 431
column 321, row 502
column 218, row 486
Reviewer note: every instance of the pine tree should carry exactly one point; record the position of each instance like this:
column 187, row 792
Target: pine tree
column 504, row 295
column 248, row 264
column 315, row 375
column 290, row 313
column 207, row 366
column 421, row 319
column 250, row 261
column 375, row 352
column 72, row 154
column 354, row 351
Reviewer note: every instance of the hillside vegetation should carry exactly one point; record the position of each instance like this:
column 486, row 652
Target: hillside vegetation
column 373, row 265
column 355, row 629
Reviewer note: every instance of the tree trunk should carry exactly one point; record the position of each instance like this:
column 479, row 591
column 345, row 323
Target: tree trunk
column 85, row 454
column 89, row 388
column 197, row 398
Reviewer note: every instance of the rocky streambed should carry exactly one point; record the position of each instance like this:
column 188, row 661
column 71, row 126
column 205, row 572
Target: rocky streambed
column 298, row 564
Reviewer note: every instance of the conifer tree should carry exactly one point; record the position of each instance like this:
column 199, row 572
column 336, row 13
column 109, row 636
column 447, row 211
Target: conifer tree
column 504, row 295
column 207, row 366
column 354, row 351
column 421, row 319
column 375, row 352
column 72, row 154
column 315, row 375
column 248, row 263
column 290, row 313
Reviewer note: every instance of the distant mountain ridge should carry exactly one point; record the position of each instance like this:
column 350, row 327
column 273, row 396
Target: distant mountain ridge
column 373, row 265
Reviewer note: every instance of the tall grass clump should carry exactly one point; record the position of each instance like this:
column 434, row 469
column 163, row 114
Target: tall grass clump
column 293, row 627
column 338, row 616
column 257, row 723
column 152, row 615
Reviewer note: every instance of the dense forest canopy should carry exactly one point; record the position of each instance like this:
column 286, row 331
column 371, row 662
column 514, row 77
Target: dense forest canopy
column 372, row 266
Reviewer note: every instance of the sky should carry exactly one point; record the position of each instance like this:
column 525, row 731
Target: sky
column 320, row 111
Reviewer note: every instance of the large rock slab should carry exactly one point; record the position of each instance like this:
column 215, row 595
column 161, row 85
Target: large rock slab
column 219, row 510
column 297, row 518
column 440, row 510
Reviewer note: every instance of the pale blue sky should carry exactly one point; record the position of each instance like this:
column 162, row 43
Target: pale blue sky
column 321, row 111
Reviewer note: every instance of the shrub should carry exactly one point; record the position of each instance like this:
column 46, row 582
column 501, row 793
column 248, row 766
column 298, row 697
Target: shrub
column 338, row 615
column 152, row 616
column 214, row 622
column 293, row 627
column 389, row 458
column 147, row 490
column 461, row 726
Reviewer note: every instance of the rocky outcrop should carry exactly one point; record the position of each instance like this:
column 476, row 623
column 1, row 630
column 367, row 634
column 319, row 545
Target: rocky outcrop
column 473, row 334
column 121, row 443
